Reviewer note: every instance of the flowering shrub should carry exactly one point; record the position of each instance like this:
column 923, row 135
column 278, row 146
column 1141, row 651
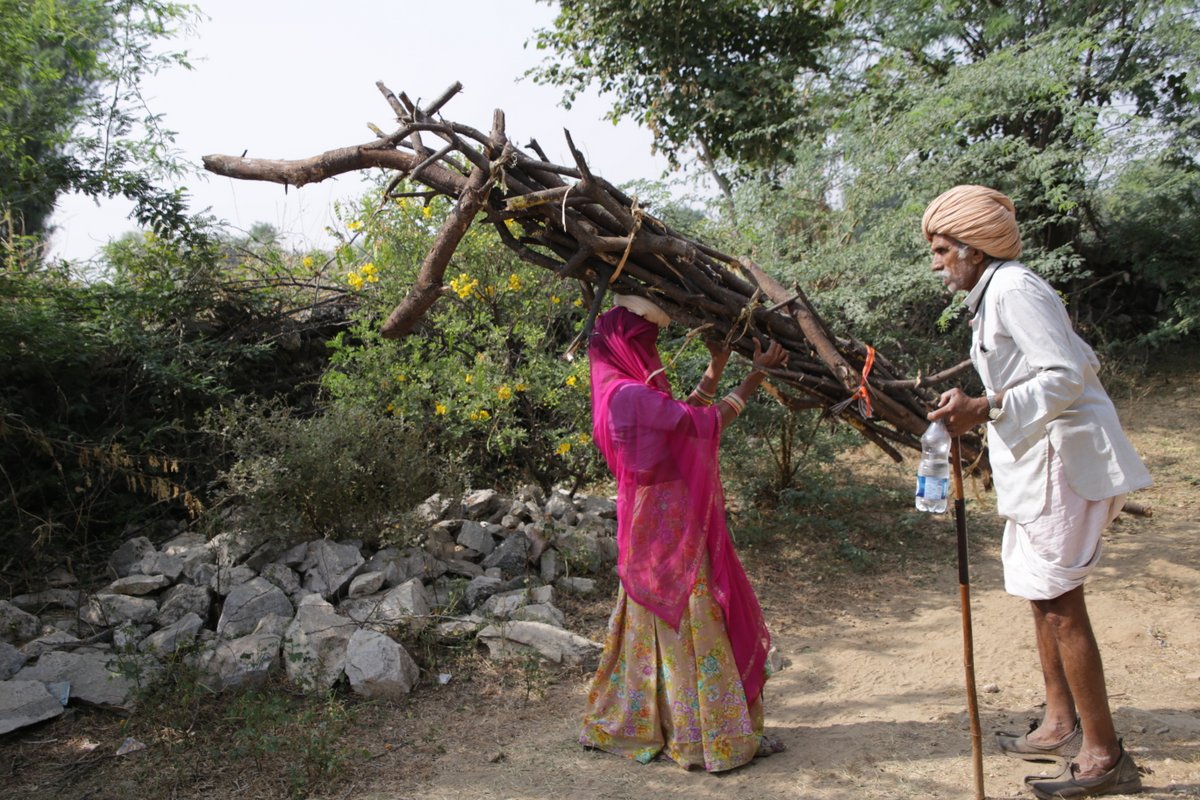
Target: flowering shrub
column 482, row 379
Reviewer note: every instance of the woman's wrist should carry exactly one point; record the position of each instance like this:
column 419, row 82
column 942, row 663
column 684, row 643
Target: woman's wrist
column 751, row 383
column 736, row 403
column 703, row 397
column 737, row 399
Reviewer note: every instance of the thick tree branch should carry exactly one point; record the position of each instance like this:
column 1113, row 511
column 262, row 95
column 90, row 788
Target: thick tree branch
column 581, row 227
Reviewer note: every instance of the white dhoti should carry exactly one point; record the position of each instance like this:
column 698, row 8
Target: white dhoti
column 1054, row 553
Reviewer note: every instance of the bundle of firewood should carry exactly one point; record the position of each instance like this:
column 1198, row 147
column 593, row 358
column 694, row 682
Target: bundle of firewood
column 572, row 221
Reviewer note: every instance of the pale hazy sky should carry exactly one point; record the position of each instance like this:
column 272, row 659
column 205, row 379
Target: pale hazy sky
column 284, row 79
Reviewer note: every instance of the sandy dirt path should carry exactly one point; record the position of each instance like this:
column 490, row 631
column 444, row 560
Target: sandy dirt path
column 871, row 703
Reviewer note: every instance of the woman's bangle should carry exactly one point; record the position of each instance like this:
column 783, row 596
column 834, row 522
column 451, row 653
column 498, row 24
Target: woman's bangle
column 735, row 402
column 702, row 398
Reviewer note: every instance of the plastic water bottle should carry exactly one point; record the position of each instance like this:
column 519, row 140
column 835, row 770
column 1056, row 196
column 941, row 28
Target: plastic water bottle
column 933, row 474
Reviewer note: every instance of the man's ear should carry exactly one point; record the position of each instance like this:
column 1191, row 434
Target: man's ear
column 976, row 256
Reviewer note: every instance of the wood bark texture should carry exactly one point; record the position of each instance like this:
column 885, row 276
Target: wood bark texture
column 567, row 219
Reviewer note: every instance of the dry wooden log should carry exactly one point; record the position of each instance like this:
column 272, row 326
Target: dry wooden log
column 428, row 286
column 578, row 225
column 1137, row 509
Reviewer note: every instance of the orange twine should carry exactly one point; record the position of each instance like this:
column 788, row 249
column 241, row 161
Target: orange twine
column 861, row 394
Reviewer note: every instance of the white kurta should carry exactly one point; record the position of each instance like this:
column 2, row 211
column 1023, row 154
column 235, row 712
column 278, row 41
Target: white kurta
column 1022, row 342
column 1060, row 460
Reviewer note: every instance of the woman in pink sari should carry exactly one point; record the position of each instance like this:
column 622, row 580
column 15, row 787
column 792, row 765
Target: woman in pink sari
column 684, row 659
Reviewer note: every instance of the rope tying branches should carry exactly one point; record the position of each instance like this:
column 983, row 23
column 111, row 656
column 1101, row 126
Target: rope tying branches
column 579, row 226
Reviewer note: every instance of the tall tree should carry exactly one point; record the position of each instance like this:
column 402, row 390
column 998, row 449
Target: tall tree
column 1066, row 106
column 71, row 114
column 1057, row 104
column 718, row 77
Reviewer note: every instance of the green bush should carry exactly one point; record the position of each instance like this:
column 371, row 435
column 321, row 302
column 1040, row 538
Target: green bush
column 103, row 383
column 97, row 384
column 482, row 379
column 344, row 472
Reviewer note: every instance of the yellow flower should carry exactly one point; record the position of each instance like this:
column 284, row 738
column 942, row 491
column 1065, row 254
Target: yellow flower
column 463, row 285
column 402, row 202
column 439, row 409
column 426, row 212
column 307, row 261
column 577, row 302
column 391, row 408
column 572, row 380
column 504, row 393
column 355, row 280
column 483, row 414
column 490, row 291
column 355, row 225
column 555, row 299
column 474, row 416
column 469, row 378
column 583, row 438
column 401, row 377
column 563, row 448
column 521, row 387
column 514, row 282
column 368, row 268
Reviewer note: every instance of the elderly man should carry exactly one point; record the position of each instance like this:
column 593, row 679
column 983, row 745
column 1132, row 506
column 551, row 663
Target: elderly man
column 1062, row 467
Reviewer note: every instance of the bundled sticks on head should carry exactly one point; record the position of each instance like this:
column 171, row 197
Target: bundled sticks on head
column 567, row 219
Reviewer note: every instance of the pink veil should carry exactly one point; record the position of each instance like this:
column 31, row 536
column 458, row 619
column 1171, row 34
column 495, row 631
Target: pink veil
column 670, row 504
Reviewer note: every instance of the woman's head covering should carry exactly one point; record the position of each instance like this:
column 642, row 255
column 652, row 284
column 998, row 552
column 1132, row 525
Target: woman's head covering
column 670, row 503
column 643, row 308
column 976, row 215
column 624, row 346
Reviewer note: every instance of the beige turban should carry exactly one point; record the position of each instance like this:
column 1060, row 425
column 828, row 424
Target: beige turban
column 643, row 308
column 975, row 215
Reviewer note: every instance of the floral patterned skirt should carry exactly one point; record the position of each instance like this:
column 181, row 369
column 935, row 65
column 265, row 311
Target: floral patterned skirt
column 679, row 693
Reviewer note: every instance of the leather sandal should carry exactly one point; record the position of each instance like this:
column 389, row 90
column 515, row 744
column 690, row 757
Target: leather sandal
column 1062, row 766
column 1123, row 778
column 1020, row 747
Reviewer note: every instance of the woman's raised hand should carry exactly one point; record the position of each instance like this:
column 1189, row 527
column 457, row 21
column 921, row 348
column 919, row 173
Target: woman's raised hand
column 774, row 356
column 718, row 350
column 733, row 403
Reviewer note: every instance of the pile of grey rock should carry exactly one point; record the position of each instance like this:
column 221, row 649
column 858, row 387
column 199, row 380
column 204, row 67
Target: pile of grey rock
column 240, row 606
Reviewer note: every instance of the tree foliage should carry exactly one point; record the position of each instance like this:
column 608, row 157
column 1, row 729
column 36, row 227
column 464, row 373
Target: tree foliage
column 105, row 385
column 482, row 379
column 1085, row 113
column 1056, row 104
column 717, row 76
column 347, row 471
column 72, row 118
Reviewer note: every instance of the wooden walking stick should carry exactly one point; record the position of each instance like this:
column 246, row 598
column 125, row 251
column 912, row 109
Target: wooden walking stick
column 964, row 595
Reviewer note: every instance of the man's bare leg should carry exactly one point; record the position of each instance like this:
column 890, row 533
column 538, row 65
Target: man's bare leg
column 1059, row 719
column 1075, row 658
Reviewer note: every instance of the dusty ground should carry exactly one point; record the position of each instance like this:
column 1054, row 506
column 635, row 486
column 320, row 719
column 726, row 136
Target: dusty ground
column 871, row 703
